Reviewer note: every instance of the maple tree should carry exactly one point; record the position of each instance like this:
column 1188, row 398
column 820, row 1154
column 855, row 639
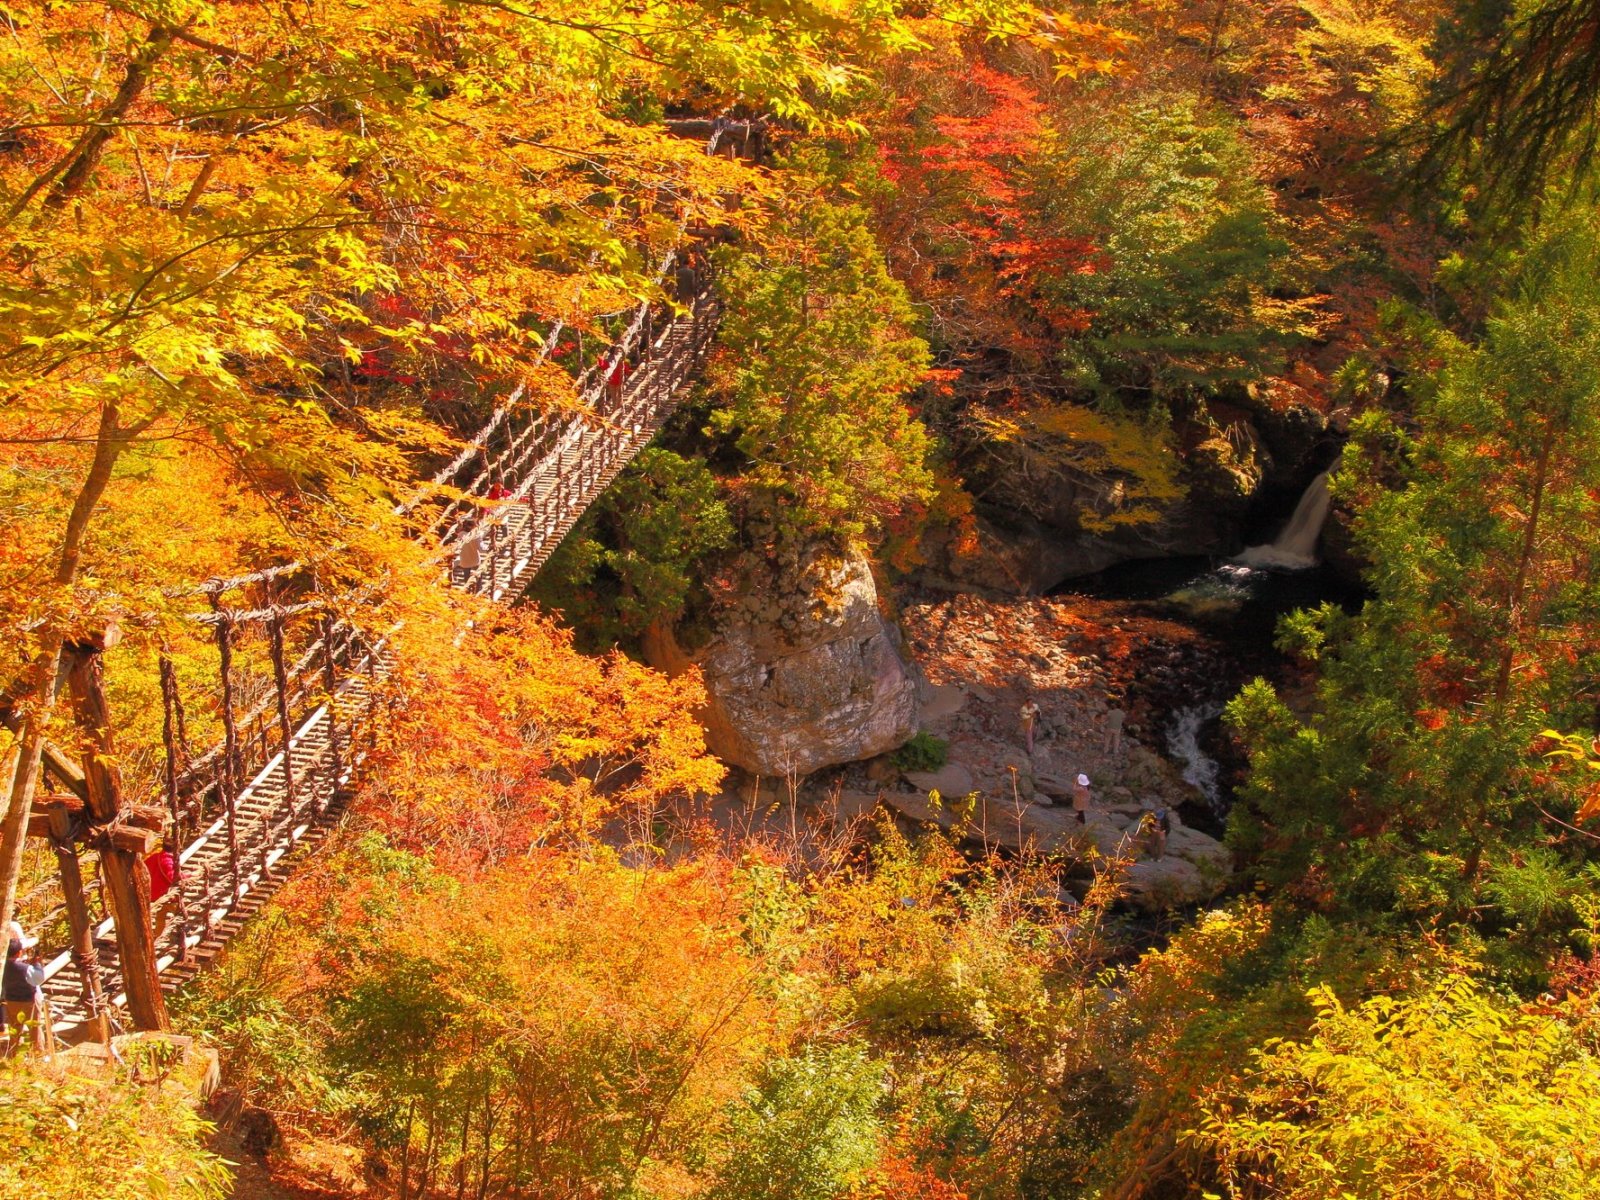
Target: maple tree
column 524, row 742
column 296, row 243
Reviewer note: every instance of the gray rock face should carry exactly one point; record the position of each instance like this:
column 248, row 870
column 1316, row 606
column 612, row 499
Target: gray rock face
column 952, row 781
column 808, row 675
column 1032, row 534
column 1194, row 869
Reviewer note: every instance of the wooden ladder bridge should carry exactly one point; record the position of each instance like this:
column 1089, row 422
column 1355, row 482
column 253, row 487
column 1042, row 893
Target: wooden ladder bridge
column 244, row 811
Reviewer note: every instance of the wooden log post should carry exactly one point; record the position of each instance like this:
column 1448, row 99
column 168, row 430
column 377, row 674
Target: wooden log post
column 372, row 699
column 280, row 680
column 63, row 817
column 494, row 558
column 122, row 870
column 330, row 683
column 228, row 777
column 171, row 733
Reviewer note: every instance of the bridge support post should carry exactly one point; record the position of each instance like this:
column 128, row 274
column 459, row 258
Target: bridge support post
column 330, row 683
column 228, row 777
column 174, row 741
column 494, row 558
column 280, row 682
column 122, row 869
column 80, row 924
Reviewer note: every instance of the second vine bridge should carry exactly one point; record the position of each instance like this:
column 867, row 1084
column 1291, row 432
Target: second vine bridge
column 270, row 788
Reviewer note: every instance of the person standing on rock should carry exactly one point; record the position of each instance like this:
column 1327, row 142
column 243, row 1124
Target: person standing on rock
column 1029, row 712
column 1160, row 826
column 1113, row 738
column 1080, row 799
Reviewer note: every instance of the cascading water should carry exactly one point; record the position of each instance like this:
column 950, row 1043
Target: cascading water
column 1295, row 547
column 1200, row 770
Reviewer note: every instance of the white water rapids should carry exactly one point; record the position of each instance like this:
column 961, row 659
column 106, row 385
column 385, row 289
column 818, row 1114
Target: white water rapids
column 1183, row 744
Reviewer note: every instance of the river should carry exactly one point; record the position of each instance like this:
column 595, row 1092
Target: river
column 1232, row 608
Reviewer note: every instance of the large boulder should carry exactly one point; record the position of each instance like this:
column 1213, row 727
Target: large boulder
column 801, row 670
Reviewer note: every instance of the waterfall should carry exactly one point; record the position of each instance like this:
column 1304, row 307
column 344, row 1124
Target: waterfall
column 1183, row 743
column 1295, row 548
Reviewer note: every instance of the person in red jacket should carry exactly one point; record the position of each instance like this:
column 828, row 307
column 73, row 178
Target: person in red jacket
column 163, row 868
column 616, row 375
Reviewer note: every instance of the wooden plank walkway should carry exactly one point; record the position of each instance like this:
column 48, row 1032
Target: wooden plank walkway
column 553, row 467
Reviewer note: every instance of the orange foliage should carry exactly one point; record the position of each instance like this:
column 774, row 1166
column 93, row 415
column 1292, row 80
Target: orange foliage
column 515, row 738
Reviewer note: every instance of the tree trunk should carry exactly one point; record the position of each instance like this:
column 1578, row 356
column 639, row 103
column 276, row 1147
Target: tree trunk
column 126, row 879
column 1519, row 585
column 86, row 154
column 25, row 778
column 110, row 441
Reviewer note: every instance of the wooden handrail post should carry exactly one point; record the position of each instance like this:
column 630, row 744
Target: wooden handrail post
column 280, row 680
column 229, row 776
column 372, row 698
column 122, row 869
column 171, row 718
column 494, row 558
column 330, row 681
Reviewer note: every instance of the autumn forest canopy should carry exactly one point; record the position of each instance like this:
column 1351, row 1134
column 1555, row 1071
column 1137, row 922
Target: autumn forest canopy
column 605, row 528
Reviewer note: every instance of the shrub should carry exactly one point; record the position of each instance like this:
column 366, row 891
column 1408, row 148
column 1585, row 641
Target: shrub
column 924, row 752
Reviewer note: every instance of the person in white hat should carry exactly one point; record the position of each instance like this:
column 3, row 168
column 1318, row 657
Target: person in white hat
column 20, row 986
column 1080, row 799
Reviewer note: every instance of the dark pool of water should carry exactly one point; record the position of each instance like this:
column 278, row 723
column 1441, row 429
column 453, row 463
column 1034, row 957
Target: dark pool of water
column 1227, row 600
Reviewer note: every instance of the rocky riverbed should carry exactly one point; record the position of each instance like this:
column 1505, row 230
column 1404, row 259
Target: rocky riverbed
column 976, row 660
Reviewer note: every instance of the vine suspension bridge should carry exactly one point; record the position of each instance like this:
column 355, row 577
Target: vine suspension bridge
column 240, row 813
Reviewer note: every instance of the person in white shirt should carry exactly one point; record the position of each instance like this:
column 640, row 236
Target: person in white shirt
column 469, row 554
column 1029, row 712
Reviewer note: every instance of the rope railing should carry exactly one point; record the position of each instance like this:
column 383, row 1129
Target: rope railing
column 279, row 767
column 236, row 809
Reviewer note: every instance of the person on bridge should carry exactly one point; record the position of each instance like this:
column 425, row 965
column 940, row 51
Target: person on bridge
column 20, row 988
column 469, row 555
column 616, row 375
column 163, row 868
column 688, row 280
column 498, row 490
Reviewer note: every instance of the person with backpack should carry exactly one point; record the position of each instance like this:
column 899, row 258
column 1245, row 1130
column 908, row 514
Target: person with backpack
column 21, row 988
